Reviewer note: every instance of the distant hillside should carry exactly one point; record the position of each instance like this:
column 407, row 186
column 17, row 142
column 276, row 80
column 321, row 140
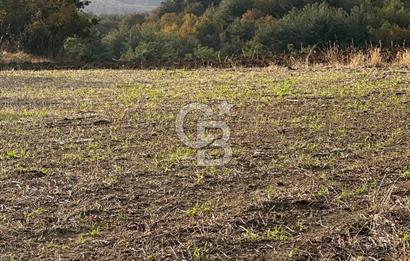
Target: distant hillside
column 121, row 6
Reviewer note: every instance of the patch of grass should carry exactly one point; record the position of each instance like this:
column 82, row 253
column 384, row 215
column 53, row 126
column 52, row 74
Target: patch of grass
column 8, row 116
column 316, row 126
column 408, row 202
column 82, row 238
column 278, row 233
column 361, row 190
column 285, row 89
column 14, row 115
column 17, row 154
column 199, row 178
column 12, row 154
column 406, row 174
column 322, row 191
column 75, row 157
column 41, row 170
column 300, row 226
column 24, row 153
column 309, row 162
column 111, row 180
column 181, row 153
column 94, row 232
column 130, row 95
column 3, row 218
column 345, row 195
column 30, row 215
column 405, row 238
column 198, row 209
column 197, row 253
column 250, row 235
column 270, row 191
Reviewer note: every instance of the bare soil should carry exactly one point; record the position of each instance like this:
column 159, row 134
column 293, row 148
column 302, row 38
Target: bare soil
column 91, row 166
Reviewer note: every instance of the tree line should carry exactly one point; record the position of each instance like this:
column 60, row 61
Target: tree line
column 40, row 27
column 201, row 30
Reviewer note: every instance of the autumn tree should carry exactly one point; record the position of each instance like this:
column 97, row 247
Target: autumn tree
column 189, row 25
column 171, row 22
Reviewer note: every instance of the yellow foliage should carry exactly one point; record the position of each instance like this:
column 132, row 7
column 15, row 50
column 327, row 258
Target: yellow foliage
column 189, row 26
column 170, row 22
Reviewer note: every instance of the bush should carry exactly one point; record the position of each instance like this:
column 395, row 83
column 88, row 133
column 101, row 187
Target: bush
column 254, row 49
column 314, row 24
column 241, row 30
column 230, row 9
column 171, row 6
column 196, row 8
column 204, row 53
column 147, row 51
column 115, row 43
column 209, row 28
column 76, row 49
column 164, row 47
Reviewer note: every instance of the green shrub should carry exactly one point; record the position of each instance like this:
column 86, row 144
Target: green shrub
column 115, row 43
column 230, row 9
column 317, row 23
column 204, row 53
column 76, row 49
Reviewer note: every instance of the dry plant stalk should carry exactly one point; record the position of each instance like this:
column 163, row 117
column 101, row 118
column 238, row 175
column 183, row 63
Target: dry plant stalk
column 333, row 55
column 376, row 58
column 373, row 58
column 403, row 58
column 358, row 59
column 20, row 57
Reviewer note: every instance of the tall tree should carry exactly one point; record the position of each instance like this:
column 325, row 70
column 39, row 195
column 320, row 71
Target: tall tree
column 41, row 26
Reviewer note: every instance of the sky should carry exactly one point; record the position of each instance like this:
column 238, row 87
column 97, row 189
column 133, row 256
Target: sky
column 121, row 6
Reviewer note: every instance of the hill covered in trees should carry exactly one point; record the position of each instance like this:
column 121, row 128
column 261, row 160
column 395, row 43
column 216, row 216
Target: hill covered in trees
column 121, row 6
column 204, row 30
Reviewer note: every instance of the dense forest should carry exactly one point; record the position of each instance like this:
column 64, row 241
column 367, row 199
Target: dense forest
column 200, row 30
